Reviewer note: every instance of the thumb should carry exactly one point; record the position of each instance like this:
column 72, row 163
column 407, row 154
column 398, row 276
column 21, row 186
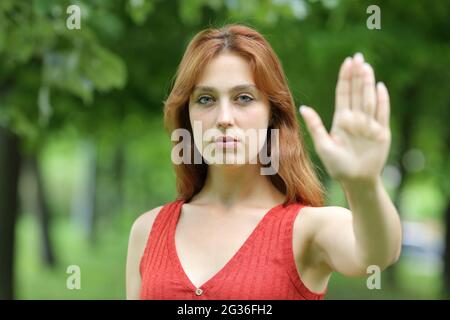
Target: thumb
column 315, row 126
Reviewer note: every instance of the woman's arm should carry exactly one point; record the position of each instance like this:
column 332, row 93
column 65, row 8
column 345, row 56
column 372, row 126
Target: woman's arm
column 136, row 245
column 354, row 153
column 349, row 241
column 376, row 223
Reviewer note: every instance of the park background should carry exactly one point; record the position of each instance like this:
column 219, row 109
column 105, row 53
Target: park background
column 83, row 151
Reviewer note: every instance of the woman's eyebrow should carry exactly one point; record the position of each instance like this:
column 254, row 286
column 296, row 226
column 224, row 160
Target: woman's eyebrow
column 244, row 87
column 204, row 88
column 235, row 88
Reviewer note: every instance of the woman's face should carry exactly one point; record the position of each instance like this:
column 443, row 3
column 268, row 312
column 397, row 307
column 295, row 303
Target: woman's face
column 226, row 102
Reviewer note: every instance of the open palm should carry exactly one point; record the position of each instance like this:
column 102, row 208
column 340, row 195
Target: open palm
column 358, row 143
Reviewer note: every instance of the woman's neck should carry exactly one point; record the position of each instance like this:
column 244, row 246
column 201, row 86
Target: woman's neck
column 238, row 185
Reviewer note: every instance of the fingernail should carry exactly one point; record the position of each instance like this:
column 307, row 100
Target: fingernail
column 359, row 56
column 303, row 109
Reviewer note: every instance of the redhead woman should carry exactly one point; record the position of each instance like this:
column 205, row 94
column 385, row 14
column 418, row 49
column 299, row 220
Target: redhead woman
column 237, row 231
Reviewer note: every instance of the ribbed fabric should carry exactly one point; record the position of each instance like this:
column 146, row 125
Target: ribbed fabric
column 262, row 269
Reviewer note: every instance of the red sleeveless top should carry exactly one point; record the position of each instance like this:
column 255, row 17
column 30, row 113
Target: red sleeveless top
column 262, row 269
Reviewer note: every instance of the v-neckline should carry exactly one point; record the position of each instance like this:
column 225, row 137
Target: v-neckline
column 208, row 283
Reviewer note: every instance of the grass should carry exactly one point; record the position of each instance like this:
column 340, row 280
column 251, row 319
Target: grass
column 102, row 265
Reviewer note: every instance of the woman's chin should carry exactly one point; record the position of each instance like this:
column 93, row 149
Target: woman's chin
column 227, row 160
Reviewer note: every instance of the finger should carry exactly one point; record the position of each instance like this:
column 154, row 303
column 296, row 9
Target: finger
column 316, row 128
column 357, row 82
column 369, row 97
column 383, row 105
column 343, row 86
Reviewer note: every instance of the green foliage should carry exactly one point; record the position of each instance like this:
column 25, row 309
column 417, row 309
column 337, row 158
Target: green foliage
column 140, row 9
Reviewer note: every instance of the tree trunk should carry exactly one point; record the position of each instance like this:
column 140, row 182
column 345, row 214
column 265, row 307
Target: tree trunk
column 42, row 213
column 9, row 169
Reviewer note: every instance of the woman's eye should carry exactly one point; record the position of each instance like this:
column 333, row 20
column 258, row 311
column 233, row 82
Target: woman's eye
column 204, row 100
column 245, row 98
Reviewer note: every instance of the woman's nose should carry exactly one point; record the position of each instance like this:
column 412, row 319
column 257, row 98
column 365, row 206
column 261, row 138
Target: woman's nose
column 225, row 116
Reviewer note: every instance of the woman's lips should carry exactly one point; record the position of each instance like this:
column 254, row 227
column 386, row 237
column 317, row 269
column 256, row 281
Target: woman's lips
column 226, row 144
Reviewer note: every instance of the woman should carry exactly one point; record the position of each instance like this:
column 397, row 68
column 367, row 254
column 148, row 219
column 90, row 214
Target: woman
column 237, row 233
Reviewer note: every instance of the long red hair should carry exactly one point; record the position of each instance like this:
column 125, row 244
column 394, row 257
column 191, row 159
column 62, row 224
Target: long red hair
column 295, row 177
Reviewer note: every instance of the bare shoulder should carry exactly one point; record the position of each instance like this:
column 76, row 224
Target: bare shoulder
column 314, row 218
column 136, row 245
column 311, row 224
column 308, row 227
column 142, row 226
column 139, row 233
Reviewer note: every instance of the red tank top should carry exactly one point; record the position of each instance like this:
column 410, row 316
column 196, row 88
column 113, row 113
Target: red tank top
column 262, row 269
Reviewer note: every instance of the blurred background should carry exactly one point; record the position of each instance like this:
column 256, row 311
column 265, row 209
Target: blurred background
column 83, row 151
